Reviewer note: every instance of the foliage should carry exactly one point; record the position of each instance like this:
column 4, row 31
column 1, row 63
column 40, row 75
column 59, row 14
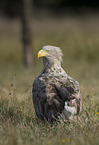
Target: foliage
column 79, row 40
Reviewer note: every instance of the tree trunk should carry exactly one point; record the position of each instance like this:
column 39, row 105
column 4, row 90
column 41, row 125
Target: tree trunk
column 26, row 33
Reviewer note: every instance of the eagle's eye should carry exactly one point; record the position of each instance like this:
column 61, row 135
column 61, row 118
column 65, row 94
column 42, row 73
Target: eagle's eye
column 48, row 50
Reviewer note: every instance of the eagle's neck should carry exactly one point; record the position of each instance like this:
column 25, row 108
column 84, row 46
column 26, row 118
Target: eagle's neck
column 53, row 69
column 50, row 65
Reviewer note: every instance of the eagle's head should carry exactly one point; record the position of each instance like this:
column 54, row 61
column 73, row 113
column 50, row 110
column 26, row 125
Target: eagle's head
column 51, row 54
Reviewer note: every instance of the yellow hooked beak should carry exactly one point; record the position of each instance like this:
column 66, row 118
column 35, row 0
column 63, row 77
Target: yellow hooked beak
column 42, row 53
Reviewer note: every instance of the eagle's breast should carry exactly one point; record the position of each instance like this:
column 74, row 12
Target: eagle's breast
column 51, row 78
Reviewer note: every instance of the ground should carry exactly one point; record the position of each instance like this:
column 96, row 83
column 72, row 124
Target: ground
column 78, row 37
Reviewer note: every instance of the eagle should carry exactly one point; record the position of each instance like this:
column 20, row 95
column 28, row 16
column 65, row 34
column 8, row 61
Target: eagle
column 55, row 94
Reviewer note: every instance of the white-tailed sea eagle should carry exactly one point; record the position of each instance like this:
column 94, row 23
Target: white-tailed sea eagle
column 54, row 92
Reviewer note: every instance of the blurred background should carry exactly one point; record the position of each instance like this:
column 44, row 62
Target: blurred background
column 28, row 25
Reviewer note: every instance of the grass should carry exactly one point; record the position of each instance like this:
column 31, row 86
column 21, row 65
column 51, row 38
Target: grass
column 79, row 39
